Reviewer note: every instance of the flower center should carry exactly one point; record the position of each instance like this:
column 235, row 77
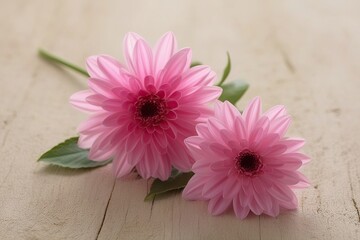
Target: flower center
column 248, row 163
column 150, row 110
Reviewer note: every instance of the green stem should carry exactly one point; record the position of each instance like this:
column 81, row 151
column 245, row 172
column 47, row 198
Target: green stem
column 55, row 59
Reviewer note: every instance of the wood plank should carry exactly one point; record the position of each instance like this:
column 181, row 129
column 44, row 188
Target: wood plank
column 39, row 202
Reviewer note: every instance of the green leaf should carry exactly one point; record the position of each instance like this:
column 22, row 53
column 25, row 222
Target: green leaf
column 233, row 91
column 176, row 181
column 226, row 70
column 68, row 154
column 196, row 63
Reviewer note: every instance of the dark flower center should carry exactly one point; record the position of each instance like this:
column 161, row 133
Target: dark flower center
column 248, row 163
column 150, row 110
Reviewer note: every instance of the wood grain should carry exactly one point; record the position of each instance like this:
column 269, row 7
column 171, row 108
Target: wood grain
column 304, row 54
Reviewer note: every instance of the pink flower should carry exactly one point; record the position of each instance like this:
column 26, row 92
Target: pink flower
column 244, row 162
column 141, row 112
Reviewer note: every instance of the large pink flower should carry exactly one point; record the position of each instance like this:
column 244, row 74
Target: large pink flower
column 244, row 162
column 142, row 112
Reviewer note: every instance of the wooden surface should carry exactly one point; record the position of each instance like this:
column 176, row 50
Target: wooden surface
column 304, row 54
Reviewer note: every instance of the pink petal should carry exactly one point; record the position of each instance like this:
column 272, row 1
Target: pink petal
column 214, row 187
column 121, row 166
column 240, row 211
column 215, row 126
column 93, row 125
column 142, row 59
column 172, row 104
column 86, row 141
column 231, row 188
column 204, row 95
column 193, row 189
column 177, row 64
column 261, row 196
column 303, row 181
column 149, row 166
column 288, row 160
column 203, row 131
column 180, row 159
column 275, row 112
column 218, row 205
column 198, row 76
column 132, row 141
column 239, row 128
column 217, row 149
column 280, row 192
column 182, row 126
column 101, row 154
column 256, row 136
column 128, row 47
column 102, row 149
column 136, row 155
column 195, row 150
column 275, row 209
column 280, row 125
column 110, row 68
column 170, row 133
column 152, row 158
column 202, row 165
column 78, row 100
column 164, row 169
column 228, row 138
column 291, row 204
column 252, row 112
column 101, row 87
column 96, row 99
column 111, row 120
column 187, row 94
column 222, row 166
column 140, row 168
column 288, row 164
column 93, row 68
column 286, row 177
column 160, row 139
column 293, row 144
column 245, row 193
column 267, row 141
column 113, row 105
column 227, row 112
column 149, row 81
column 254, row 207
column 264, row 124
column 164, row 50
column 274, row 150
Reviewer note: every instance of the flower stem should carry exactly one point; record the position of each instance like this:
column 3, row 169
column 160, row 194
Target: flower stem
column 52, row 58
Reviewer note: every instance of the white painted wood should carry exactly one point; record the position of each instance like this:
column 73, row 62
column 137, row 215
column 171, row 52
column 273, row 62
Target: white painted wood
column 304, row 54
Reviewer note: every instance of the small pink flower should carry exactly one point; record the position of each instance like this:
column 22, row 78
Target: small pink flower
column 141, row 112
column 244, row 161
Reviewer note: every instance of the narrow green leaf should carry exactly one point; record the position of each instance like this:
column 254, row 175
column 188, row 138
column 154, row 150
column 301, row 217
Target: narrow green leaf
column 196, row 63
column 233, row 91
column 177, row 180
column 226, row 70
column 52, row 58
column 68, row 154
